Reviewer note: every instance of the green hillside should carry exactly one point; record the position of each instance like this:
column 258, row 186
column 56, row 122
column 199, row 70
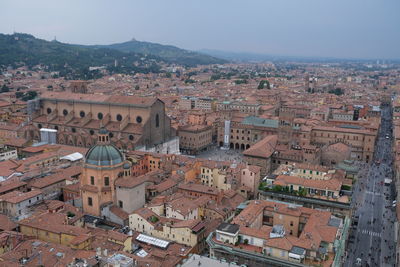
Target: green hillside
column 169, row 53
column 72, row 61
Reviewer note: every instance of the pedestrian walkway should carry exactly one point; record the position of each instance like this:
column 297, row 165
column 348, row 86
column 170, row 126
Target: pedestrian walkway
column 371, row 233
column 373, row 193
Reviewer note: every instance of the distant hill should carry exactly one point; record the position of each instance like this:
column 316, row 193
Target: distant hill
column 72, row 61
column 237, row 56
column 169, row 53
column 258, row 57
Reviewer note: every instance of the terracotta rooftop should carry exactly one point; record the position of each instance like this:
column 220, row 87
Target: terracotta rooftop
column 263, row 148
column 17, row 196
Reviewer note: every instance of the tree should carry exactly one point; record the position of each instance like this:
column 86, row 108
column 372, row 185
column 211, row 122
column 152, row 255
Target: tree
column 243, row 81
column 190, row 81
column 168, row 75
column 336, row 91
column 5, row 89
column 19, row 94
column 277, row 188
column 29, row 95
column 263, row 84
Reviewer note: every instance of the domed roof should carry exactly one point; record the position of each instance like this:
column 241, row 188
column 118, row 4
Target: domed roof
column 127, row 165
column 104, row 155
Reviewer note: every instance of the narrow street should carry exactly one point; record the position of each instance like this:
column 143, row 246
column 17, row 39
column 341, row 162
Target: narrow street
column 371, row 242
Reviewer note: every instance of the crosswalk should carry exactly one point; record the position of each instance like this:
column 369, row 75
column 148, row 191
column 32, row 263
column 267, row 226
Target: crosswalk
column 373, row 193
column 371, row 233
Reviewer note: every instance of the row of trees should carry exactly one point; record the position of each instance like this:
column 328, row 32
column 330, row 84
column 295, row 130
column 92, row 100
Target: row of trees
column 284, row 189
column 264, row 84
column 25, row 96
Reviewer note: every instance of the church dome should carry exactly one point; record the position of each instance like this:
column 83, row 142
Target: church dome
column 127, row 165
column 104, row 155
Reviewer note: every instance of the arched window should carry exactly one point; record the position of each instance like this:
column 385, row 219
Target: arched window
column 82, row 114
column 131, row 137
column 157, row 120
column 138, row 119
column 100, row 116
column 65, row 112
column 48, row 110
column 119, row 117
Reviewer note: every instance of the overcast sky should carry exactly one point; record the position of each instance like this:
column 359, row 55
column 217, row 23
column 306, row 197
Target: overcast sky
column 327, row 28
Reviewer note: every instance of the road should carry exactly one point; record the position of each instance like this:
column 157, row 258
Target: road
column 372, row 240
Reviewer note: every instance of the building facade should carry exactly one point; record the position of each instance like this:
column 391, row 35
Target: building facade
column 131, row 121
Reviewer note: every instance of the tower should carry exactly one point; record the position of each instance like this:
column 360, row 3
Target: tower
column 307, row 83
column 285, row 127
column 103, row 165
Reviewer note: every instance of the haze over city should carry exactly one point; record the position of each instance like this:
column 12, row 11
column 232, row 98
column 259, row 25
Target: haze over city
column 341, row 29
column 200, row 133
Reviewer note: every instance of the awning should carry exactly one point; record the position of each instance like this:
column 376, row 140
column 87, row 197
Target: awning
column 73, row 157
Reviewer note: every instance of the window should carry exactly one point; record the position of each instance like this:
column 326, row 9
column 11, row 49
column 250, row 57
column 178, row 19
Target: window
column 90, row 201
column 111, row 135
column 119, row 117
column 48, row 110
column 100, row 116
column 73, row 130
column 120, row 204
column 130, row 137
column 92, row 180
column 65, row 112
column 56, row 127
column 291, row 223
column 157, row 121
column 82, row 113
column 138, row 119
column 106, row 181
column 39, row 126
column 91, row 132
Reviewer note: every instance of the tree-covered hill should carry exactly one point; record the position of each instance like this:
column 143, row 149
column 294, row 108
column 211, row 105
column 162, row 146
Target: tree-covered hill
column 169, row 53
column 72, row 61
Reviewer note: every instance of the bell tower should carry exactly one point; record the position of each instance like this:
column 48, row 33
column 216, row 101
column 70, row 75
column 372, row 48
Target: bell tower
column 285, row 127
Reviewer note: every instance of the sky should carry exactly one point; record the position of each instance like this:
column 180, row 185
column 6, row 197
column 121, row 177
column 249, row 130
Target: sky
column 316, row 28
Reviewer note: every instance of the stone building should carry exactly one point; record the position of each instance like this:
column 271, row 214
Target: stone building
column 78, row 87
column 194, row 138
column 131, row 121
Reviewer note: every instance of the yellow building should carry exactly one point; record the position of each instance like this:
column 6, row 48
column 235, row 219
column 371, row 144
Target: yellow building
column 214, row 174
column 53, row 227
